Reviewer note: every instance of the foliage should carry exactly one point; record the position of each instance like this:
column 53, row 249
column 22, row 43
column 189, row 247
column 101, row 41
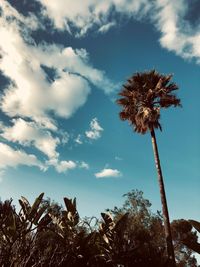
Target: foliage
column 182, row 235
column 186, row 236
column 145, row 229
column 46, row 234
column 142, row 98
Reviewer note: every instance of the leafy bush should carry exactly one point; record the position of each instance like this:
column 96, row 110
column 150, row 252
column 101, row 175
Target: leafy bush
column 46, row 234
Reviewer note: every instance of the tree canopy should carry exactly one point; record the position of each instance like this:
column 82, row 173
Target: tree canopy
column 143, row 96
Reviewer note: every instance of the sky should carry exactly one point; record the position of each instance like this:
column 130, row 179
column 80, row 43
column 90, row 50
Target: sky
column 62, row 65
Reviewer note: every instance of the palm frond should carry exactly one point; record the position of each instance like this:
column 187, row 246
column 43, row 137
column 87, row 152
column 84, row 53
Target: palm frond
column 143, row 95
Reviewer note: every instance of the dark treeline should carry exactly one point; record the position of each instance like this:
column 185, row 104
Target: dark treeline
column 47, row 234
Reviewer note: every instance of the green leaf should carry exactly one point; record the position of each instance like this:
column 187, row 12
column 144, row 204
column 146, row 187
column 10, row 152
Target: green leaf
column 74, row 203
column 25, row 201
column 65, row 214
column 36, row 204
column 13, row 224
column 107, row 218
column 121, row 223
column 45, row 221
column 25, row 206
column 70, row 216
column 105, row 238
column 39, row 214
column 69, row 205
column 10, row 228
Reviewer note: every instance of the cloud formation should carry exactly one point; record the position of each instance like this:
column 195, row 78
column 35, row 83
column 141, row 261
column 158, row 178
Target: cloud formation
column 108, row 173
column 84, row 165
column 63, row 165
column 177, row 34
column 79, row 140
column 31, row 93
column 30, row 133
column 10, row 157
column 77, row 17
column 107, row 27
column 95, row 130
column 46, row 82
column 169, row 17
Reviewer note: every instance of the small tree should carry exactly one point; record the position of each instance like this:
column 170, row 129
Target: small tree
column 143, row 96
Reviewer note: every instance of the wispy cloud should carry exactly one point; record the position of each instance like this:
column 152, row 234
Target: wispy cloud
column 78, row 139
column 108, row 173
column 106, row 27
column 95, row 130
column 118, row 158
column 91, row 13
column 10, row 157
column 169, row 17
column 84, row 165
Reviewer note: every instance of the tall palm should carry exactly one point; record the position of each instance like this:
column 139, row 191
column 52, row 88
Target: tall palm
column 143, row 96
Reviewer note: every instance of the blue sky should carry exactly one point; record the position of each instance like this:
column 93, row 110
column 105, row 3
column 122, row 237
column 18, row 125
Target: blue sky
column 61, row 69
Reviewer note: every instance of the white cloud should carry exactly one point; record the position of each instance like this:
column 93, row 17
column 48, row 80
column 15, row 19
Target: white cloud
column 11, row 13
column 169, row 17
column 91, row 13
column 177, row 34
column 34, row 97
column 93, row 133
column 10, row 157
column 74, row 61
column 84, row 165
column 108, row 173
column 79, row 140
column 106, row 27
column 64, row 136
column 30, row 133
column 95, row 130
column 31, row 94
column 63, row 165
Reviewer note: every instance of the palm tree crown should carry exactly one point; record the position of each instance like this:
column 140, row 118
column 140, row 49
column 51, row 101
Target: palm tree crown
column 143, row 96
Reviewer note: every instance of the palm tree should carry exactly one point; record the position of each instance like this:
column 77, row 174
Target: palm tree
column 143, row 96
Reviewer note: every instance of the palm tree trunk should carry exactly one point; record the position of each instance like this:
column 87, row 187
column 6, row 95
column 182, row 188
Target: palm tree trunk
column 168, row 236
